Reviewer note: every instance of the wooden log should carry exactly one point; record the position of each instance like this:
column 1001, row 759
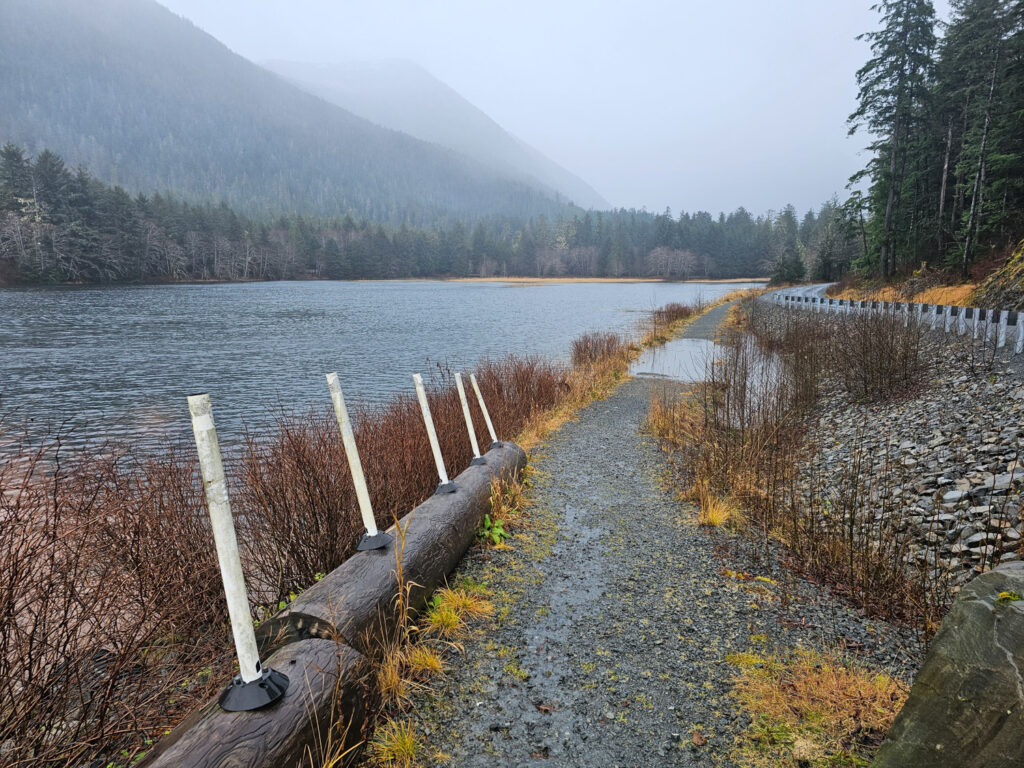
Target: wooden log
column 324, row 707
column 356, row 600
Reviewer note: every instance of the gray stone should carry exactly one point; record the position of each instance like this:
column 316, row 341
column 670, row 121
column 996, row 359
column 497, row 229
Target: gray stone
column 966, row 709
column 979, row 539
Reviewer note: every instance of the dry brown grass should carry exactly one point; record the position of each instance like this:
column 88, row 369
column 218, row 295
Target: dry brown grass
column 953, row 295
column 920, row 290
column 812, row 710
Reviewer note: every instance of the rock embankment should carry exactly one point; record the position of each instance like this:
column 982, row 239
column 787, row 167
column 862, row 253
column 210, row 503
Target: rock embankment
column 1004, row 288
column 943, row 467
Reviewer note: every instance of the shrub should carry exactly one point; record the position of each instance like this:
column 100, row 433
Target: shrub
column 592, row 348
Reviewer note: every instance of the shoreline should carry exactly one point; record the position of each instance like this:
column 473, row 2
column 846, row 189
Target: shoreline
column 559, row 280
column 517, row 280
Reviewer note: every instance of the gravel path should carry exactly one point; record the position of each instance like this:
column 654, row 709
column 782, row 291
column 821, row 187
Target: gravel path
column 617, row 614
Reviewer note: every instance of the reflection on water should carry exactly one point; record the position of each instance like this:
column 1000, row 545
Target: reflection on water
column 681, row 360
column 120, row 360
column 750, row 377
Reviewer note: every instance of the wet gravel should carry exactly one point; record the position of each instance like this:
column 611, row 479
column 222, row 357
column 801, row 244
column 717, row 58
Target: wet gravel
column 616, row 615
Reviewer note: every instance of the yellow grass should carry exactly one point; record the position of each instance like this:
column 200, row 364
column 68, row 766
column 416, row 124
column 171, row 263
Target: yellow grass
column 958, row 295
column 392, row 682
column 424, row 661
column 466, row 604
column 395, row 745
column 885, row 293
column 811, row 710
column 717, row 511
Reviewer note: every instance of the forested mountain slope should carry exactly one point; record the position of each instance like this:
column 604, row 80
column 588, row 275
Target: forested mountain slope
column 146, row 100
column 401, row 95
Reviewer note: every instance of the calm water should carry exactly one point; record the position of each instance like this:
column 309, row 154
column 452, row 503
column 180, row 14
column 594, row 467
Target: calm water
column 120, row 361
column 682, row 360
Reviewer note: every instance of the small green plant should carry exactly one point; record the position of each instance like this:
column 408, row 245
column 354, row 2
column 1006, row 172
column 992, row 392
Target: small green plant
column 492, row 531
column 512, row 668
column 1008, row 597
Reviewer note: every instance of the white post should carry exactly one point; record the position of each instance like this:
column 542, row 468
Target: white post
column 428, row 421
column 214, row 483
column 355, row 466
column 935, row 315
column 483, row 407
column 1004, row 316
column 469, row 418
column 1019, row 347
column 946, row 320
column 977, row 312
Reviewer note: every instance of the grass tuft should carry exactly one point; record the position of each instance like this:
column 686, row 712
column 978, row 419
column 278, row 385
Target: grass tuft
column 395, row 744
column 424, row 662
column 811, row 709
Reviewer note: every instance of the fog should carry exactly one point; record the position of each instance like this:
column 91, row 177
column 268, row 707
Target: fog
column 691, row 105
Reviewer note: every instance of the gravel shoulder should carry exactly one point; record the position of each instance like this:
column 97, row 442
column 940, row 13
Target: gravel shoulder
column 617, row 614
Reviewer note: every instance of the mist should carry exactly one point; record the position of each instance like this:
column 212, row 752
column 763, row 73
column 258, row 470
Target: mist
column 694, row 106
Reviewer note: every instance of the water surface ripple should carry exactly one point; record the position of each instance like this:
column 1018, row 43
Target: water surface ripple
column 119, row 361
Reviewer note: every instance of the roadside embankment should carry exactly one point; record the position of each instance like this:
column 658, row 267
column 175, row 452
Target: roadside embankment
column 998, row 287
column 905, row 481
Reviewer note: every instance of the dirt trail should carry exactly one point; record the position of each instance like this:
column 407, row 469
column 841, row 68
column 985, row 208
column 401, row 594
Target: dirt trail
column 619, row 615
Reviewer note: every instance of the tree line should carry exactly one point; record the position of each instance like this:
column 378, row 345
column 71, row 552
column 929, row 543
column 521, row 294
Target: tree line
column 945, row 182
column 61, row 225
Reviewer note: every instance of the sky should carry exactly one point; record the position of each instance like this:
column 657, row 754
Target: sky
column 687, row 104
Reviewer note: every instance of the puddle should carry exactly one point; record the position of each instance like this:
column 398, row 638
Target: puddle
column 683, row 360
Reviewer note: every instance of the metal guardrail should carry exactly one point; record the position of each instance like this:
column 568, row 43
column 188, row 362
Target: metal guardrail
column 997, row 324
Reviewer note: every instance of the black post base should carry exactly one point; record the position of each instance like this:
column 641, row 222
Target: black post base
column 448, row 487
column 379, row 541
column 478, row 461
column 245, row 697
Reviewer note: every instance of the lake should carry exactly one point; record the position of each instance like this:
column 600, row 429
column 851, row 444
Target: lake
column 119, row 361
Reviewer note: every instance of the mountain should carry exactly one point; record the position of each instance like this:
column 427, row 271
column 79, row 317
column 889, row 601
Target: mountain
column 146, row 100
column 401, row 95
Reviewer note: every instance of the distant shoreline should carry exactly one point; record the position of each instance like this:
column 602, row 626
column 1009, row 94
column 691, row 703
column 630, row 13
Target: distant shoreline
column 515, row 280
column 554, row 280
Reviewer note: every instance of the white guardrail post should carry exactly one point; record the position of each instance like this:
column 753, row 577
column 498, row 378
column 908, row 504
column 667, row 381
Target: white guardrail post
column 446, row 485
column 373, row 538
column 254, row 686
column 477, row 458
column 993, row 324
column 483, row 409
